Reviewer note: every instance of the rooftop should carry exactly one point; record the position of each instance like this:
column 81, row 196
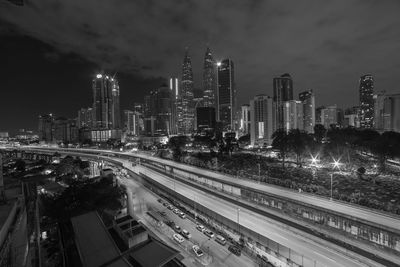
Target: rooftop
column 144, row 256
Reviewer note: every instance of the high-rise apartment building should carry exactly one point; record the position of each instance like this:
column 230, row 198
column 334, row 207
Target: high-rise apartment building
column 209, row 82
column 379, row 111
column 132, row 122
column 366, row 101
column 106, row 106
column 245, row 122
column 293, row 115
column 387, row 112
column 186, row 123
column 262, row 120
column 45, row 128
column 226, row 92
column 329, row 116
column 308, row 100
column 283, row 91
column 85, row 118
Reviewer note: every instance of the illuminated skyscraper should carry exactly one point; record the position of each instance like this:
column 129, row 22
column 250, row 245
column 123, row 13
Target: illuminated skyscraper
column 308, row 100
column 262, row 120
column 106, row 106
column 186, row 125
column 366, row 101
column 209, row 83
column 293, row 115
column 226, row 111
column 283, row 91
column 176, row 109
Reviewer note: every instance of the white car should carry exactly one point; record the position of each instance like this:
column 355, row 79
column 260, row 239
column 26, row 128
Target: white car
column 208, row 233
column 200, row 227
column 178, row 238
column 186, row 234
column 197, row 250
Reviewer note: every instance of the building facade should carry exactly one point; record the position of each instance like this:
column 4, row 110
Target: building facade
column 226, row 95
column 245, row 119
column 283, row 91
column 329, row 116
column 186, row 122
column 85, row 118
column 308, row 100
column 106, row 106
column 205, row 118
column 293, row 115
column 366, row 89
column 209, row 82
column 262, row 120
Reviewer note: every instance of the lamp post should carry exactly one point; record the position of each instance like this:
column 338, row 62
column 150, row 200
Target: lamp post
column 336, row 164
column 238, row 210
column 259, row 172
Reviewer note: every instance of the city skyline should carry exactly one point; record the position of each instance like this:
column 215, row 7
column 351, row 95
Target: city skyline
column 330, row 65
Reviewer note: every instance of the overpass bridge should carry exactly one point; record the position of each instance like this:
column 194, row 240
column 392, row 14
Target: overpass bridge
column 373, row 234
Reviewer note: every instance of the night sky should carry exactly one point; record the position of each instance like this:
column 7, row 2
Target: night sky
column 50, row 49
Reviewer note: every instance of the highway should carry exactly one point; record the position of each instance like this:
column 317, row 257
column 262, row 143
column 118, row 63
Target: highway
column 370, row 216
column 324, row 256
column 219, row 254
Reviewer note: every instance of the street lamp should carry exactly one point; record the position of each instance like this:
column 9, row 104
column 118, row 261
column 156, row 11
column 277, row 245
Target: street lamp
column 238, row 210
column 336, row 164
column 259, row 172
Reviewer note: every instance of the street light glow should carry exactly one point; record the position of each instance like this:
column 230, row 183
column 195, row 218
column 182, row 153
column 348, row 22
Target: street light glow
column 99, row 76
column 336, row 163
column 219, row 63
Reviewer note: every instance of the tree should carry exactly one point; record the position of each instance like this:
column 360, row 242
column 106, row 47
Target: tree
column 281, row 142
column 177, row 143
column 83, row 196
column 319, row 132
column 298, row 142
column 386, row 146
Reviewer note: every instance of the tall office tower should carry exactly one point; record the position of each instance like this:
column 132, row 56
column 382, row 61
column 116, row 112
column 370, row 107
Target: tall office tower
column 366, row 101
column 209, row 83
column 85, row 118
column 293, row 115
column 329, row 116
column 186, row 100
column 65, row 130
column 245, row 119
column 176, row 109
column 106, row 106
column 163, row 103
column 129, row 121
column 226, row 111
column 262, row 120
column 352, row 117
column 308, row 100
column 45, row 128
column 283, row 91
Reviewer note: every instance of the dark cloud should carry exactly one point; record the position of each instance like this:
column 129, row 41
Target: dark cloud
column 325, row 45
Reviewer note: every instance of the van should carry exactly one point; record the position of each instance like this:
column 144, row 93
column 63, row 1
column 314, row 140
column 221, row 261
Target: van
column 220, row 240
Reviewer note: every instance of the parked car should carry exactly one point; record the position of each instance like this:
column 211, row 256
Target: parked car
column 159, row 200
column 165, row 204
column 200, row 227
column 197, row 250
column 235, row 250
column 208, row 233
column 220, row 239
column 178, row 238
column 176, row 211
column 182, row 215
column 170, row 207
column 186, row 234
column 177, row 228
